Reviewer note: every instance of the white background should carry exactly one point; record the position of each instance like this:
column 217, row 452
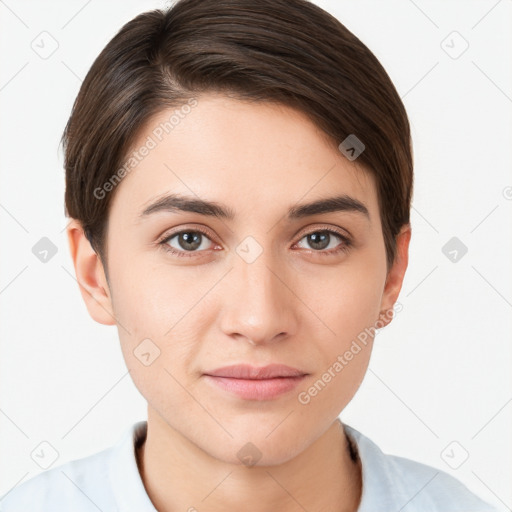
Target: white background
column 439, row 373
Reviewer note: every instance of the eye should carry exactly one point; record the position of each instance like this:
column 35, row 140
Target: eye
column 323, row 239
column 186, row 242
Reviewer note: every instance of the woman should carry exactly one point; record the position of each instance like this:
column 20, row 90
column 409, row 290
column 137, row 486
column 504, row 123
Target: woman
column 239, row 178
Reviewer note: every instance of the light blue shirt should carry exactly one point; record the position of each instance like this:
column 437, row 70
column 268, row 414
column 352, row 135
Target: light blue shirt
column 110, row 481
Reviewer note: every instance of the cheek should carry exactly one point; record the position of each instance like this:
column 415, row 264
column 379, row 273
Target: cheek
column 159, row 312
column 150, row 298
column 348, row 306
column 154, row 312
column 347, row 303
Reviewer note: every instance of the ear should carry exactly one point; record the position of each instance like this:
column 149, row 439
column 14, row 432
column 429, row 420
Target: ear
column 395, row 275
column 90, row 275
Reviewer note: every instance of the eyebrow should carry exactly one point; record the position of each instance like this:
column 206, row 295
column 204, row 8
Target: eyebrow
column 176, row 203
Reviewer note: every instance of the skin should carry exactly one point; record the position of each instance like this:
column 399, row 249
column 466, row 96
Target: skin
column 292, row 305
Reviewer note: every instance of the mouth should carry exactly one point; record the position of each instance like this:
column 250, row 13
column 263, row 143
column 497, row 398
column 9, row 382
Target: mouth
column 253, row 383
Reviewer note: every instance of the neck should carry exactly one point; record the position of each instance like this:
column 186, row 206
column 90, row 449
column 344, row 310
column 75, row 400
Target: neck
column 178, row 475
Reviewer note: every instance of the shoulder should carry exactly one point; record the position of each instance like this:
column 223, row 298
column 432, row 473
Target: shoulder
column 403, row 484
column 107, row 480
column 78, row 485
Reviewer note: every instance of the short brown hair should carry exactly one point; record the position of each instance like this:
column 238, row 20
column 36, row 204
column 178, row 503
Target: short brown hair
column 290, row 52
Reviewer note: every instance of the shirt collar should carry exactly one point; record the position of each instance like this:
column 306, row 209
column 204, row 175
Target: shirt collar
column 127, row 485
column 379, row 485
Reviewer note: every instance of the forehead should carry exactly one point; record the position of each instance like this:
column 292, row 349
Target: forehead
column 255, row 157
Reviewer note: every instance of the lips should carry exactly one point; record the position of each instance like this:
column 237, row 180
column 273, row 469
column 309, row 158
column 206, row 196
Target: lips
column 256, row 383
column 245, row 371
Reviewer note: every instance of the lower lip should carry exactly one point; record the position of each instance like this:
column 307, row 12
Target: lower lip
column 257, row 389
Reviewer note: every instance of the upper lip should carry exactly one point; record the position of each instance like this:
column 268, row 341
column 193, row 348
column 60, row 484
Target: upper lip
column 246, row 371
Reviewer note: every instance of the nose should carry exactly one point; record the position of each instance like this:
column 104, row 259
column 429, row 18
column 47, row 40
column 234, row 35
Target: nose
column 258, row 303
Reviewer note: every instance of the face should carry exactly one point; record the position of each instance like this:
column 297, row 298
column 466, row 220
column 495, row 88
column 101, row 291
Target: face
column 272, row 283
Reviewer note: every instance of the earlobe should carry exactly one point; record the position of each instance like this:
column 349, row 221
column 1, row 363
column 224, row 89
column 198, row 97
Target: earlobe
column 395, row 275
column 90, row 275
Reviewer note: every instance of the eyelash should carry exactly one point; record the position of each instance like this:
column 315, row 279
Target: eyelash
column 344, row 247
